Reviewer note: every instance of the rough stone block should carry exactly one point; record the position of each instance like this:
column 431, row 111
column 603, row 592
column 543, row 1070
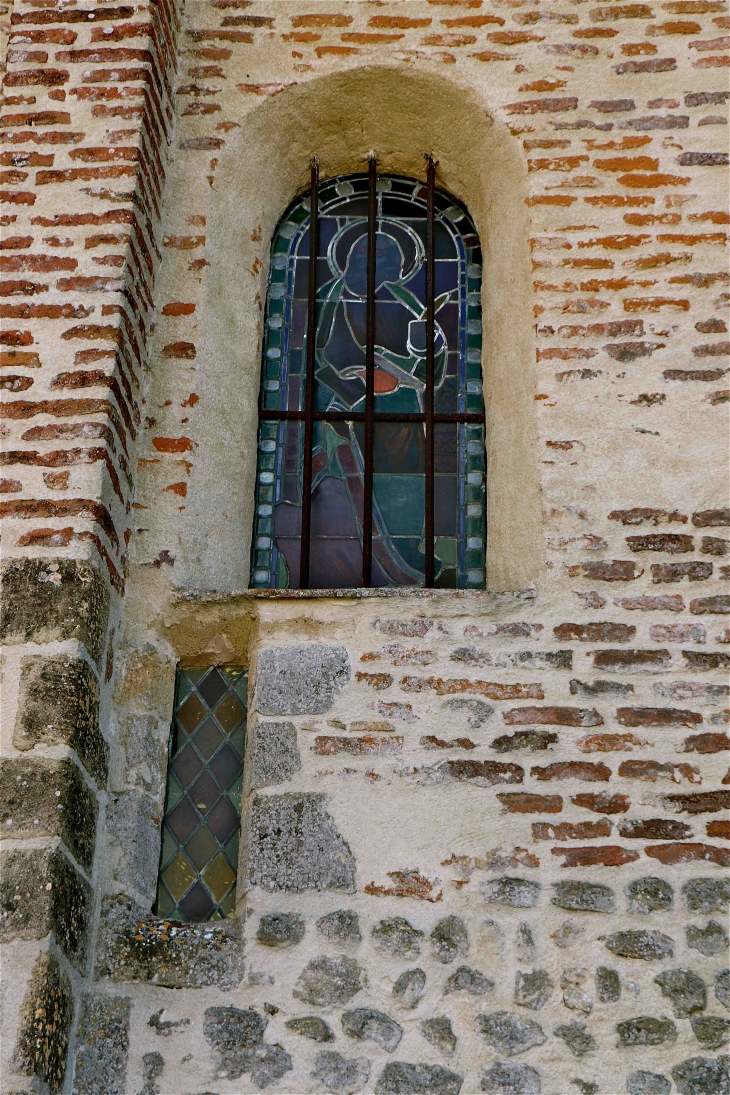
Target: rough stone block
column 102, row 1045
column 300, row 680
column 311, row 1026
column 576, row 1037
column 648, row 895
column 707, row 895
column 520, row 893
column 722, row 987
column 648, row 945
column 41, row 891
column 703, row 1076
column 449, row 939
column 711, row 1031
column 295, row 846
column 341, row 926
column 468, row 980
column 533, row 990
column 46, row 600
column 42, row 797
column 511, row 1078
column 133, row 826
column 135, row 946
column 438, row 1032
column 401, row 1078
column 685, row 990
column 59, row 703
column 369, row 1025
column 585, row 896
column 409, row 988
column 397, row 937
column 645, row 1030
column 510, row 1034
column 647, row 1083
column 45, row 1023
column 608, row 985
column 280, row 930
column 339, row 1074
column 273, row 755
column 710, row 940
column 327, row 981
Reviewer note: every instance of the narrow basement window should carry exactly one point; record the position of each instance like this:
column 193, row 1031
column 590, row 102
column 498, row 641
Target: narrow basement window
column 201, row 826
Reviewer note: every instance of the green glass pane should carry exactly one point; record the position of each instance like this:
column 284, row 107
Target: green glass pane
column 218, row 876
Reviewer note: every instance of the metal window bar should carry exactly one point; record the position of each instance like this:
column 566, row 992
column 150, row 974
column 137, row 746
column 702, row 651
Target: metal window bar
column 370, row 416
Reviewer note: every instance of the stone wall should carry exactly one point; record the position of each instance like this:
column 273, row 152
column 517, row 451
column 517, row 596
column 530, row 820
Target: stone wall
column 485, row 833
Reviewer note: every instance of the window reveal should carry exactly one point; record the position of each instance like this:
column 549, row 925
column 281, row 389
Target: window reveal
column 200, row 829
column 373, row 473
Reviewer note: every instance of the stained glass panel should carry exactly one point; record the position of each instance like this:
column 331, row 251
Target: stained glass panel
column 338, row 451
column 200, row 827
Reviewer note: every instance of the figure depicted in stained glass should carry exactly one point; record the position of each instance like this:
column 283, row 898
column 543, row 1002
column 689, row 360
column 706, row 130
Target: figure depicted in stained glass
column 399, row 386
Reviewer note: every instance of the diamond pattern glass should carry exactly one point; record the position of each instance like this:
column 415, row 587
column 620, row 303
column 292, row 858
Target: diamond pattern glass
column 198, row 862
column 399, row 451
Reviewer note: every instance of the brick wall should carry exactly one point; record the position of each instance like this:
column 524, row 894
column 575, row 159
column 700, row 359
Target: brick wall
column 518, row 799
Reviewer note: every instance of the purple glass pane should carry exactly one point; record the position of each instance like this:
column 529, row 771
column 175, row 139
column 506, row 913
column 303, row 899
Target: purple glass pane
column 182, row 819
column 204, row 792
column 223, row 820
column 186, row 765
column 197, row 905
column 226, row 766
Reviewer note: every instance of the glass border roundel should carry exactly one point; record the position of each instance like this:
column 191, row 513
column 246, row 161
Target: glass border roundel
column 397, row 448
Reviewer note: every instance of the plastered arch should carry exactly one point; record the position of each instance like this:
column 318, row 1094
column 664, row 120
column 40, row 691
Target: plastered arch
column 264, row 164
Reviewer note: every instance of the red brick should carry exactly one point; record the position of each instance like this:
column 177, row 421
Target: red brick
column 491, row 690
column 702, row 802
column 675, row 572
column 666, row 602
column 597, row 632
column 605, row 855
column 652, row 770
column 657, row 716
column 715, row 545
column 670, row 854
column 631, row 659
column 677, row 633
column 609, row 743
column 573, row 769
column 619, row 570
column 719, row 605
column 379, row 681
column 603, row 803
column 518, row 802
column 552, row 716
column 639, row 514
column 173, row 444
column 483, row 773
column 542, row 106
column 655, row 828
column 671, row 542
column 570, row 830
column 369, row 745
column 407, row 883
column 701, row 661
column 711, row 518
column 718, row 829
column 707, row 743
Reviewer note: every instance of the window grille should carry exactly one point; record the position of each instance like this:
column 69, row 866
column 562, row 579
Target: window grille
column 200, row 828
column 371, row 434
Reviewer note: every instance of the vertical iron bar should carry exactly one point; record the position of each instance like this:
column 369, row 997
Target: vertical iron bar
column 310, row 382
column 367, row 516
column 428, row 578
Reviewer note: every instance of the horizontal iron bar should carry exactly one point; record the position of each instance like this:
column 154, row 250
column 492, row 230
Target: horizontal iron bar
column 379, row 416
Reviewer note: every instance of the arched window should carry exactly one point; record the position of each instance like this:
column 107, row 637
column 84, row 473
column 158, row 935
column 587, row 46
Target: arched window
column 372, row 475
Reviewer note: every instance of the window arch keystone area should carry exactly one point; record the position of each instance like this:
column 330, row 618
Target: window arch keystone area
column 371, row 455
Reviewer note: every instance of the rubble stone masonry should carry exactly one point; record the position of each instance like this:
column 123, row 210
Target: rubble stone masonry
column 486, row 834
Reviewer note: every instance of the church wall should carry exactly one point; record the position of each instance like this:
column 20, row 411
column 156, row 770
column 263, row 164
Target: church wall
column 534, row 777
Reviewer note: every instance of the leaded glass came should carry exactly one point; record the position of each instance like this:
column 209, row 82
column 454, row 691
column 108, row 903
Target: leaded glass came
column 399, row 445
column 200, row 829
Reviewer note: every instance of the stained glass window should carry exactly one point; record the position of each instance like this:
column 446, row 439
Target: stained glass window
column 200, row 829
column 409, row 452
